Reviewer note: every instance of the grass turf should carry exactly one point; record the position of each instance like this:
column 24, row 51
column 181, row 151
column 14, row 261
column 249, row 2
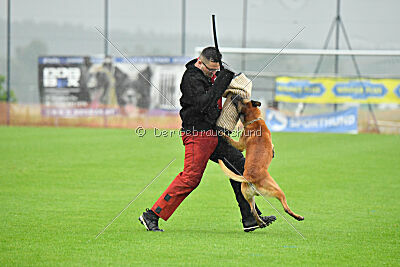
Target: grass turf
column 59, row 187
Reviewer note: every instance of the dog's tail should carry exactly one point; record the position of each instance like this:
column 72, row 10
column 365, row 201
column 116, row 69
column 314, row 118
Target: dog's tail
column 230, row 173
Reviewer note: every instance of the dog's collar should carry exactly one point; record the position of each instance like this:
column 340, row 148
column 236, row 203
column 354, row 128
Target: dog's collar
column 250, row 122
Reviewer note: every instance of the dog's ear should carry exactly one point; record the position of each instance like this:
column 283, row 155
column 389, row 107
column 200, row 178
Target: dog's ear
column 255, row 103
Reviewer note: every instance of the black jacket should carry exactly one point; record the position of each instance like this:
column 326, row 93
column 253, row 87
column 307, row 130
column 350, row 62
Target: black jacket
column 199, row 99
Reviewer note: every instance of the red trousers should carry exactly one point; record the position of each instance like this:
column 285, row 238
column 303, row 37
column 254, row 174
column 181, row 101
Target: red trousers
column 198, row 149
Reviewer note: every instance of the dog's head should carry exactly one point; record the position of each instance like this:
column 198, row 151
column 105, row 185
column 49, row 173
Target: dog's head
column 248, row 109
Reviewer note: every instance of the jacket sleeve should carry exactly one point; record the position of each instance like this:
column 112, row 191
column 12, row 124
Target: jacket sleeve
column 201, row 96
column 221, row 83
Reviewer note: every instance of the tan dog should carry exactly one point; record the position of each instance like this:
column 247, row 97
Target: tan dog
column 256, row 139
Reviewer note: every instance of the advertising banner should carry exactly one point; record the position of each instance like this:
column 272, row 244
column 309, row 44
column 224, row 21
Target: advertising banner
column 62, row 81
column 337, row 90
column 338, row 122
column 80, row 86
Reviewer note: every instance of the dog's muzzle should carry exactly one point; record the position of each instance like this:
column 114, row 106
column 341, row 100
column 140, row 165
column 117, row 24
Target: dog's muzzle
column 236, row 99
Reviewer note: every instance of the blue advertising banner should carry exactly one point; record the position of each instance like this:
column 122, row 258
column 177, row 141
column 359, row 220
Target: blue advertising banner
column 338, row 122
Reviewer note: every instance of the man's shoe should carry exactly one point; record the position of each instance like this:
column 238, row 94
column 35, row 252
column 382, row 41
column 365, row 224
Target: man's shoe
column 251, row 224
column 150, row 220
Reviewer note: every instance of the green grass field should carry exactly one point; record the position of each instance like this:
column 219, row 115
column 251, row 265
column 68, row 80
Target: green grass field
column 59, row 187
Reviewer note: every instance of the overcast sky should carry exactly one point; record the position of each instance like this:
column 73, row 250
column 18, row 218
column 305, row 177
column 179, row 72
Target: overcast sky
column 371, row 24
column 68, row 28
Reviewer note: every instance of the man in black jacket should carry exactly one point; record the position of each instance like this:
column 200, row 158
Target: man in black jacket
column 201, row 104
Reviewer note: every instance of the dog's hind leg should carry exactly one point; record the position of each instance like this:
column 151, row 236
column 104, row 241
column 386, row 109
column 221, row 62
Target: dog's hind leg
column 249, row 193
column 271, row 188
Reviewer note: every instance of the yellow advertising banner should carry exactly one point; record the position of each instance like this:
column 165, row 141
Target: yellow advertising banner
column 337, row 90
